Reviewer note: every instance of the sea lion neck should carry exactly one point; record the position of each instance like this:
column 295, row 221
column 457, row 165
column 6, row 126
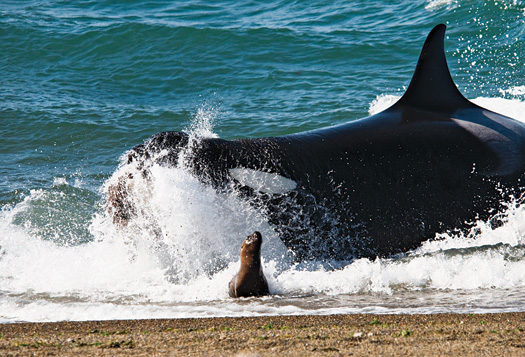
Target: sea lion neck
column 251, row 250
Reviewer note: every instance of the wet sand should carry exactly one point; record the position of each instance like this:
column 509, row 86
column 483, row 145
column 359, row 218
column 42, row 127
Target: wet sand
column 439, row 334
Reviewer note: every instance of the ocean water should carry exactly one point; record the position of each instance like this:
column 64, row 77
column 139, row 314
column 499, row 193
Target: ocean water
column 83, row 82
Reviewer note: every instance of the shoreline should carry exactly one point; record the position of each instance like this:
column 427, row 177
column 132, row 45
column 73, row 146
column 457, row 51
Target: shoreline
column 359, row 334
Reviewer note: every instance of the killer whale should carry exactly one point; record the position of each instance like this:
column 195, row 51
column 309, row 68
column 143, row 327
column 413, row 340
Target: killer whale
column 377, row 186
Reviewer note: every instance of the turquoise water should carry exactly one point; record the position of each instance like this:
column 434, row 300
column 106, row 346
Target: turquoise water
column 82, row 82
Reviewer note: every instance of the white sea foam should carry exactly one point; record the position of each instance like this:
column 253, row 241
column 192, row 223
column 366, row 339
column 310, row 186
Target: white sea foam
column 514, row 108
column 516, row 91
column 175, row 258
column 436, row 4
column 382, row 102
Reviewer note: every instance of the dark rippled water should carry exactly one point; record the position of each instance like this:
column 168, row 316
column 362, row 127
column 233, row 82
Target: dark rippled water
column 82, row 82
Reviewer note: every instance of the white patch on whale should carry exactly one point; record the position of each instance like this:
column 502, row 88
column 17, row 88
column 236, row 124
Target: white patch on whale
column 265, row 182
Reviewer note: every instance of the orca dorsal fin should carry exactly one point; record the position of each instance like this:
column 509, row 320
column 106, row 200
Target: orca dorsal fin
column 432, row 87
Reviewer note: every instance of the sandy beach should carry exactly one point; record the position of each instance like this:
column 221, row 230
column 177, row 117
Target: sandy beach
column 438, row 334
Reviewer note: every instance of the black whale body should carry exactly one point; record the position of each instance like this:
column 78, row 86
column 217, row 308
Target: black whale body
column 377, row 186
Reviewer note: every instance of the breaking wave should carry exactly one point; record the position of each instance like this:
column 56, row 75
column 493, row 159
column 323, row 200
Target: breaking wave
column 177, row 254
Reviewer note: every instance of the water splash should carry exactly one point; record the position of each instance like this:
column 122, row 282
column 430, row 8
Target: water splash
column 204, row 120
column 178, row 252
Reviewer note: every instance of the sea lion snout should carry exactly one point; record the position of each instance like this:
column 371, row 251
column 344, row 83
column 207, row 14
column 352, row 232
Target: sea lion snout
column 255, row 238
column 250, row 280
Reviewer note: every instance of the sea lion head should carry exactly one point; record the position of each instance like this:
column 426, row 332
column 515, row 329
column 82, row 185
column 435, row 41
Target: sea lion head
column 251, row 249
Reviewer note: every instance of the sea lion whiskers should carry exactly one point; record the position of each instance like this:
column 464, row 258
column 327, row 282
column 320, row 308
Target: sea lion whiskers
column 250, row 280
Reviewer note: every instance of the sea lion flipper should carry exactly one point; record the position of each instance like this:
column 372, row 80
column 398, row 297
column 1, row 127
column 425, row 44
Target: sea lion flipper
column 250, row 280
column 231, row 287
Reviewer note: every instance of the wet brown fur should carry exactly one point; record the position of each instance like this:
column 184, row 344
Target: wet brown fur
column 119, row 207
column 250, row 280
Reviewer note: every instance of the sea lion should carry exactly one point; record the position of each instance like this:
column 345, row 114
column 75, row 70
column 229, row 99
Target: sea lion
column 250, row 280
column 119, row 205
